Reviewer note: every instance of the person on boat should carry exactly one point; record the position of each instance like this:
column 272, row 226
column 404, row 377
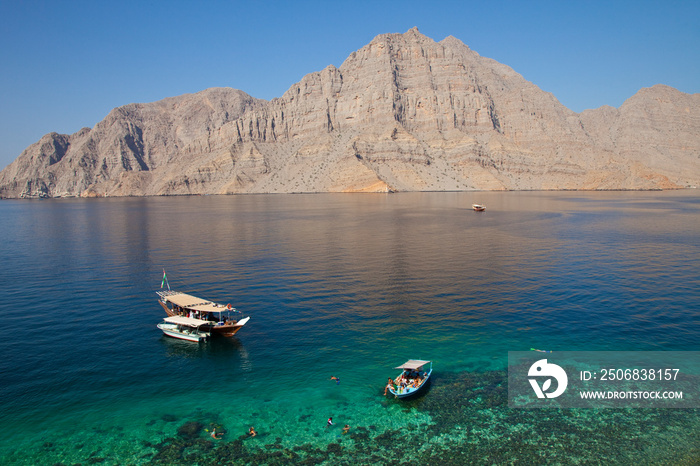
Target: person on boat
column 251, row 432
column 216, row 436
column 337, row 380
column 389, row 386
column 346, row 429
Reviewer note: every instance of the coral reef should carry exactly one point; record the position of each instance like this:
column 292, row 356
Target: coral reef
column 472, row 424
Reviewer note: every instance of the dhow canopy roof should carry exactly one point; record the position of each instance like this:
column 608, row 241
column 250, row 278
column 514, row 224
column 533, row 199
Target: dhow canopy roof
column 194, row 303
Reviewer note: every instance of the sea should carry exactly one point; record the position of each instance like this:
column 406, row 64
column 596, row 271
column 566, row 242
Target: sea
column 346, row 286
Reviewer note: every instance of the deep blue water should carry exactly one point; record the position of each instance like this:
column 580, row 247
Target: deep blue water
column 348, row 285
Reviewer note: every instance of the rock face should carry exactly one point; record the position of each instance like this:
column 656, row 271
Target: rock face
column 404, row 113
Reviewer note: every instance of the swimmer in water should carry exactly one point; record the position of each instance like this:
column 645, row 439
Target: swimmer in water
column 337, row 380
column 215, row 436
column 330, row 421
column 346, row 429
column 252, row 432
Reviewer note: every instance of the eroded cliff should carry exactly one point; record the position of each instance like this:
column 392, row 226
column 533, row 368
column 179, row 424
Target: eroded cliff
column 403, row 113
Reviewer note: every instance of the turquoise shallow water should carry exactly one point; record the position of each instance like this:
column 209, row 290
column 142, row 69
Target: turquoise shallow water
column 338, row 285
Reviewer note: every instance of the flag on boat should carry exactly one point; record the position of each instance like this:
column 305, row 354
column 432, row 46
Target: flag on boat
column 165, row 280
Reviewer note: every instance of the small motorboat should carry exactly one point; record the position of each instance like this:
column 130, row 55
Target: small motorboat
column 412, row 378
column 184, row 328
column 478, row 207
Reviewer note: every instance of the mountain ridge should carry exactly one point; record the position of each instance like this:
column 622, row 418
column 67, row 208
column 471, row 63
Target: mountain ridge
column 402, row 113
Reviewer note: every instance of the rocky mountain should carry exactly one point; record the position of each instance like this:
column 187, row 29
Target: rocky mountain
column 404, row 113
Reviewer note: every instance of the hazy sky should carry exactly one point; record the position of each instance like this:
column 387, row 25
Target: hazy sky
column 65, row 64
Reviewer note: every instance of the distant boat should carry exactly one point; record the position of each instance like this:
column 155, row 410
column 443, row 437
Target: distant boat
column 478, row 207
column 412, row 378
column 183, row 328
column 216, row 319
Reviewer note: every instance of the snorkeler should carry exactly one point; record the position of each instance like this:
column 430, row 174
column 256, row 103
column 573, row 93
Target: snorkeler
column 346, row 429
column 330, row 421
column 251, row 432
column 337, row 380
column 216, row 436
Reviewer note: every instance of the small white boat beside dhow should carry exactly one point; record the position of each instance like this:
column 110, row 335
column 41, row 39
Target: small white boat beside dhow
column 184, row 328
column 412, row 380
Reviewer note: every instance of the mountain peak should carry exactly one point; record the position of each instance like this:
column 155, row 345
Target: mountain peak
column 452, row 41
column 413, row 32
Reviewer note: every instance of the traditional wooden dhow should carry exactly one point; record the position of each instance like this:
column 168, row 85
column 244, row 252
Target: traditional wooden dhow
column 217, row 319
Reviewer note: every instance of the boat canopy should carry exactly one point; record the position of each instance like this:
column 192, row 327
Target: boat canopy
column 413, row 364
column 194, row 303
column 180, row 320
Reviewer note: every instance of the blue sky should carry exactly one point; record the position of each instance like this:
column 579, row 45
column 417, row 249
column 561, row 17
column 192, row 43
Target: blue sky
column 66, row 64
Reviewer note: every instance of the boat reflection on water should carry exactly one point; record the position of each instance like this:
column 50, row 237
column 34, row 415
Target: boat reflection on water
column 213, row 348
